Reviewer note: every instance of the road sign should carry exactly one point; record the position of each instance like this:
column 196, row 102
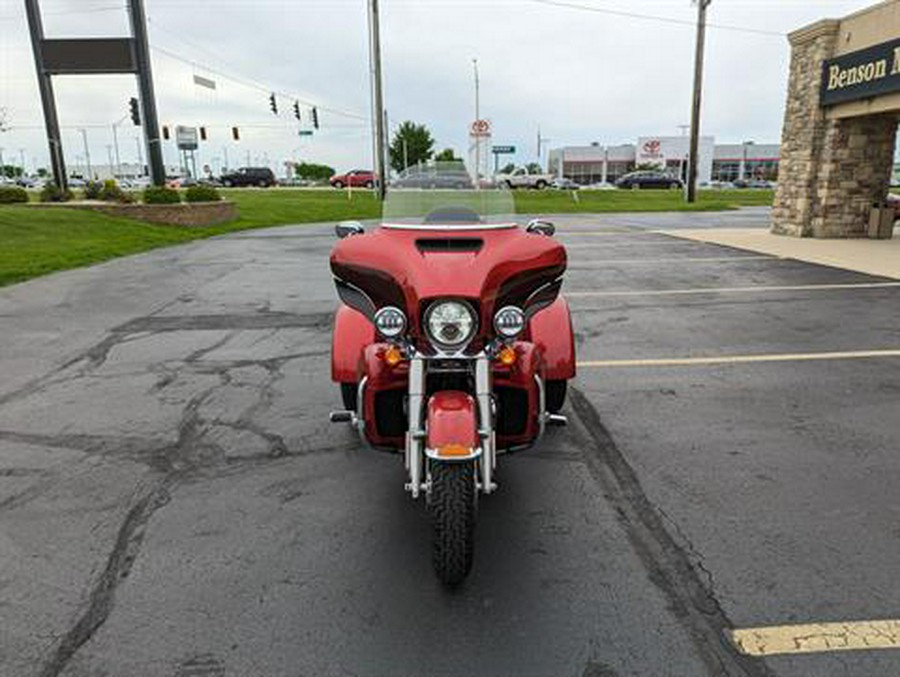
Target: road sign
column 480, row 128
column 305, row 132
column 503, row 150
column 186, row 138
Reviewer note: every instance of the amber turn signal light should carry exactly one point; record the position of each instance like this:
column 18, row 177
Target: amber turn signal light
column 393, row 356
column 507, row 356
column 453, row 451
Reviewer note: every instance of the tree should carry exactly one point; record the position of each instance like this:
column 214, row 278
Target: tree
column 534, row 168
column 11, row 171
column 411, row 145
column 313, row 172
column 446, row 155
column 508, row 168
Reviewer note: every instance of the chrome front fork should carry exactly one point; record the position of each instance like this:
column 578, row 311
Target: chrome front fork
column 415, row 437
column 486, row 432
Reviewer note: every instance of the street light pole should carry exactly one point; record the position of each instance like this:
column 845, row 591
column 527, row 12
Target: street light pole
column 477, row 118
column 140, row 151
column 377, row 97
column 22, row 157
column 698, row 92
column 87, row 154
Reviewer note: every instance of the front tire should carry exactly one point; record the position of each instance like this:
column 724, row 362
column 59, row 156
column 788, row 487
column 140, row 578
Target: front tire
column 349, row 394
column 540, row 185
column 555, row 392
column 452, row 505
column 338, row 184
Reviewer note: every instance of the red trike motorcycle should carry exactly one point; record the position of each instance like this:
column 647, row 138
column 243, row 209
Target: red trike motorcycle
column 451, row 345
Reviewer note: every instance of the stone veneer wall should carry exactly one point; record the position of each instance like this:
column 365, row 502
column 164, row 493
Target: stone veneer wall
column 832, row 170
column 189, row 214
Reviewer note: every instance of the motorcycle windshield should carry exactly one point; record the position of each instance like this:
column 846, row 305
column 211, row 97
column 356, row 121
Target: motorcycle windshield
column 443, row 195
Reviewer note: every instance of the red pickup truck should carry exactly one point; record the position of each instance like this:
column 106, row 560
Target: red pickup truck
column 358, row 178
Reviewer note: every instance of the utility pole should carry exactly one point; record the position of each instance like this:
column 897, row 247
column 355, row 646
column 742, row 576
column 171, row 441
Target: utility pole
column 109, row 157
column 698, row 94
column 377, row 97
column 477, row 118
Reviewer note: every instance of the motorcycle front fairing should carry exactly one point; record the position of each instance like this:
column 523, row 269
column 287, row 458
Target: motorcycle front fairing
column 413, row 267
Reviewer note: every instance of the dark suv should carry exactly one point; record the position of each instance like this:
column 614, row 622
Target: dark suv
column 250, row 176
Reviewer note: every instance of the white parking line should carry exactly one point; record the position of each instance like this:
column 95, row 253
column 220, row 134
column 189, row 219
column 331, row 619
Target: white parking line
column 817, row 638
column 739, row 359
column 685, row 259
column 730, row 290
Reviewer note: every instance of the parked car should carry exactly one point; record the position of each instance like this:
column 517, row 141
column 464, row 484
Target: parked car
column 649, row 179
column 357, row 178
column 564, row 184
column 250, row 176
column 522, row 178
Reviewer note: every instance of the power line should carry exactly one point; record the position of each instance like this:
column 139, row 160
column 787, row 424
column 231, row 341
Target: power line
column 246, row 81
column 652, row 17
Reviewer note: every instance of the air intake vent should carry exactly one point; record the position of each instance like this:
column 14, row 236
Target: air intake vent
column 450, row 244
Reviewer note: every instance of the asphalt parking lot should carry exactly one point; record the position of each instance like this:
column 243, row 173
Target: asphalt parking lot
column 173, row 500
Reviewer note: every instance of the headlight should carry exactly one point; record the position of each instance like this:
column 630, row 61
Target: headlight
column 450, row 323
column 509, row 321
column 390, row 322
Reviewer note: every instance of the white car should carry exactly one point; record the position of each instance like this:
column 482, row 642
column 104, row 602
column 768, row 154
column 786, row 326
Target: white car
column 522, row 178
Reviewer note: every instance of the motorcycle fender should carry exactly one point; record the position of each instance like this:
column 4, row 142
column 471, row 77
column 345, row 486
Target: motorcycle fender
column 352, row 333
column 452, row 426
column 551, row 331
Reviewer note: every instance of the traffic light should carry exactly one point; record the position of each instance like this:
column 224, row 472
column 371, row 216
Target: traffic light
column 165, row 132
column 273, row 103
column 235, row 134
column 315, row 118
column 203, row 133
column 297, row 109
column 134, row 105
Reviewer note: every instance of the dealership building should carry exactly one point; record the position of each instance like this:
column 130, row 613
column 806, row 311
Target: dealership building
column 840, row 126
column 716, row 162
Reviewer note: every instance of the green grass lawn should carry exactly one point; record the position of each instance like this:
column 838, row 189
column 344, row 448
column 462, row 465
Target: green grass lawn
column 35, row 241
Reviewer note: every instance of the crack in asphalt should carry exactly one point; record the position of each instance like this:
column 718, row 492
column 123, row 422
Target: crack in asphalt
column 118, row 566
column 258, row 320
column 669, row 566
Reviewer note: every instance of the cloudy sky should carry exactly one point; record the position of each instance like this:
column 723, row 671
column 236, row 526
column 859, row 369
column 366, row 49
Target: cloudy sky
column 580, row 70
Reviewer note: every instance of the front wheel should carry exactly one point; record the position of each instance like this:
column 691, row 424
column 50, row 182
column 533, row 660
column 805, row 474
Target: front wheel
column 338, row 184
column 555, row 392
column 540, row 185
column 452, row 505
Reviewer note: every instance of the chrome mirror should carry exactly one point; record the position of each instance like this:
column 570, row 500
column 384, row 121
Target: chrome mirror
column 348, row 228
column 541, row 227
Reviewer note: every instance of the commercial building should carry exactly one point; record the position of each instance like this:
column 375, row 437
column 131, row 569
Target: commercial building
column 840, row 126
column 606, row 164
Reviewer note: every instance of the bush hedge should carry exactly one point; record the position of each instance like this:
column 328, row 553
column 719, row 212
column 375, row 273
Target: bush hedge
column 12, row 194
column 92, row 190
column 53, row 193
column 202, row 193
column 112, row 193
column 160, row 195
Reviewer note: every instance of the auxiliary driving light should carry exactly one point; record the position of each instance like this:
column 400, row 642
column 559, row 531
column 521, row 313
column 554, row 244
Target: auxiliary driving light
column 390, row 321
column 509, row 321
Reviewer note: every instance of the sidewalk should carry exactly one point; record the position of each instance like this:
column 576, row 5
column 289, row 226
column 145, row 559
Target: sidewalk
column 874, row 257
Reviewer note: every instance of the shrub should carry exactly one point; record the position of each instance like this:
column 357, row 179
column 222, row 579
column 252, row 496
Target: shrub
column 12, row 194
column 92, row 190
column 111, row 192
column 160, row 195
column 53, row 193
column 202, row 193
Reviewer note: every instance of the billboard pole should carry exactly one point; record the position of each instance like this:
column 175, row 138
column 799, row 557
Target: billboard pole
column 149, row 115
column 698, row 91
column 45, row 84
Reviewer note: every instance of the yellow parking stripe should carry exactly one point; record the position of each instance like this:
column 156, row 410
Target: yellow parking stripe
column 677, row 259
column 817, row 638
column 738, row 359
column 729, row 290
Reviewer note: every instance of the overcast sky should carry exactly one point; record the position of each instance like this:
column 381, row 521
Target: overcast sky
column 579, row 75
